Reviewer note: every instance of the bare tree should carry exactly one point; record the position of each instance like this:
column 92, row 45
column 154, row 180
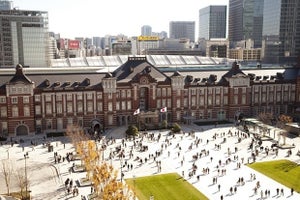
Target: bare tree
column 22, row 183
column 7, row 171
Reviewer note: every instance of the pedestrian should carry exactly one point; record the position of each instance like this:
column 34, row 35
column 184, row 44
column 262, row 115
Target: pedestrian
column 219, row 187
column 292, row 191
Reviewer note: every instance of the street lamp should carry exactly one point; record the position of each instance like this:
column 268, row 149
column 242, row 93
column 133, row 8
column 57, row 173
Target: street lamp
column 110, row 156
column 26, row 179
column 121, row 159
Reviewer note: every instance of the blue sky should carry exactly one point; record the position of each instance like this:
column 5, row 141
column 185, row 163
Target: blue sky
column 87, row 18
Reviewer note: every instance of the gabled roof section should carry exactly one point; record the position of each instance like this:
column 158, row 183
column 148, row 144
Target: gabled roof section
column 136, row 66
column 20, row 76
column 235, row 71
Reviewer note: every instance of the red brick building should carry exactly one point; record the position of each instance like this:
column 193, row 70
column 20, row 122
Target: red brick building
column 41, row 103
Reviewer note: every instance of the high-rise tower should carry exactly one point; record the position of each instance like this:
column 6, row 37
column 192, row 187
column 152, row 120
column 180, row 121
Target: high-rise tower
column 212, row 22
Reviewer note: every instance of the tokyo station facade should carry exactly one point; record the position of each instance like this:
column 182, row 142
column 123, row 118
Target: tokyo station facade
column 32, row 103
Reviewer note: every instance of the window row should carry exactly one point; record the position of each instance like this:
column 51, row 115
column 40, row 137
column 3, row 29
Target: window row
column 69, row 96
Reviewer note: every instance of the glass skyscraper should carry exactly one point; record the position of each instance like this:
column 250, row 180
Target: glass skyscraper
column 212, row 22
column 245, row 21
column 24, row 38
column 146, row 30
column 281, row 31
column 182, row 29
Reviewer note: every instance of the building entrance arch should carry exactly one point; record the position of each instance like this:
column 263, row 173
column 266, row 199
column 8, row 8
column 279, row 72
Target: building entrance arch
column 96, row 126
column 22, row 130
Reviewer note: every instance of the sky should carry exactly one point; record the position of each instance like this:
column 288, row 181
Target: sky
column 88, row 18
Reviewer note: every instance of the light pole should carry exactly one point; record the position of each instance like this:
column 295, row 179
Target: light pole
column 26, row 179
column 121, row 159
column 110, row 156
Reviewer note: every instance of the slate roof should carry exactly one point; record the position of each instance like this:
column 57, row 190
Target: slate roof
column 136, row 66
column 20, row 76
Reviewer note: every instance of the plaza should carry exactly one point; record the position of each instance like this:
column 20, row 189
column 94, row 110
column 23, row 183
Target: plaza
column 218, row 154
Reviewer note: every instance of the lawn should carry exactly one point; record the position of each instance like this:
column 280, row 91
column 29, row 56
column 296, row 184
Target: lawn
column 282, row 171
column 164, row 187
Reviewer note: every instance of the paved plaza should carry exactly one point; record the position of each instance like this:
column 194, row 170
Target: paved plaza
column 212, row 160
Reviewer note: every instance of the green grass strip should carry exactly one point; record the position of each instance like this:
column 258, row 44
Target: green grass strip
column 164, row 187
column 283, row 171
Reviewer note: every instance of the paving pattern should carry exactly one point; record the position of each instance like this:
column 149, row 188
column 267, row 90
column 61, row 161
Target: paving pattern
column 212, row 160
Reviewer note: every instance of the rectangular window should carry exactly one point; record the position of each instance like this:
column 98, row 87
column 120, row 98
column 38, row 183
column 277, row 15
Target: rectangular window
column 118, row 105
column 123, row 94
column 123, row 105
column 163, row 93
column 26, row 111
column 128, row 105
column 169, row 92
column 235, row 90
column 244, row 99
column 48, row 98
column 201, row 100
column 158, row 103
column 99, row 106
column 80, row 122
column 25, row 99
column 69, row 107
column 37, row 98
column 49, row 124
column 217, row 100
column 4, row 128
column 110, row 106
column 225, row 90
column 37, row 109
column 209, row 100
column 79, row 96
column 60, row 124
column 236, row 99
column 69, row 97
column 89, row 96
column 48, row 108
column 128, row 93
column 218, row 90
column 90, row 106
column 99, row 95
column 15, row 111
column 169, row 104
column 110, row 120
column 59, row 109
column 185, row 102
column 14, row 100
column 177, row 103
column 70, row 121
column 225, row 100
column 79, row 107
column 2, row 99
column 3, row 112
column 158, row 91
column 58, row 97
column 193, row 101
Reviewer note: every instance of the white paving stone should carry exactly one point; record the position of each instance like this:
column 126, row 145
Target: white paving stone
column 47, row 178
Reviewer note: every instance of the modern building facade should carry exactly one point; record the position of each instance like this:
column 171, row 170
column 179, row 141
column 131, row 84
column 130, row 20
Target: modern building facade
column 24, row 38
column 245, row 21
column 212, row 22
column 42, row 103
column 182, row 29
column 146, row 30
column 281, row 31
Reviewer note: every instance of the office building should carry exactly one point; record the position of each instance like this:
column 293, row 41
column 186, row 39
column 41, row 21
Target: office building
column 146, row 30
column 245, row 21
column 281, row 31
column 24, row 38
column 182, row 29
column 212, row 22
column 6, row 5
